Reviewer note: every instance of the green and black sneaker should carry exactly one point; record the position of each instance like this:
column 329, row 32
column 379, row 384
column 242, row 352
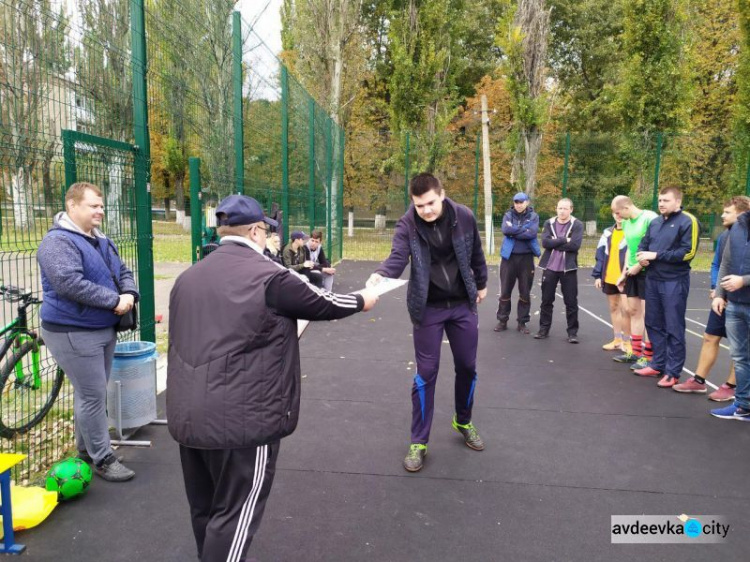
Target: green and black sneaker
column 414, row 460
column 470, row 434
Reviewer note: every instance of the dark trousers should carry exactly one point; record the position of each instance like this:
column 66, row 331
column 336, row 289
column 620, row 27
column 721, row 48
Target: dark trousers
column 227, row 491
column 518, row 267
column 569, row 285
column 666, row 304
column 461, row 325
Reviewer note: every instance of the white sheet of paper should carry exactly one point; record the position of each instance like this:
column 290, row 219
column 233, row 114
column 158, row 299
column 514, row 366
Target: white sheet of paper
column 386, row 285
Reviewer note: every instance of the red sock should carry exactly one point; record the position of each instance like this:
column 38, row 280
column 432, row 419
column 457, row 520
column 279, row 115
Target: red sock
column 648, row 351
column 637, row 342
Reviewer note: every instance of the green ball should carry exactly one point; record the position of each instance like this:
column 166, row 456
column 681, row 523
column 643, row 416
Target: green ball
column 69, row 478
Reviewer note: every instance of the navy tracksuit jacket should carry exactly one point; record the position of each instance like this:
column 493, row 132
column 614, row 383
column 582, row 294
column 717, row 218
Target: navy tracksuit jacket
column 674, row 238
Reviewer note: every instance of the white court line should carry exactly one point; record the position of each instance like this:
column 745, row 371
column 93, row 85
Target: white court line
column 603, row 321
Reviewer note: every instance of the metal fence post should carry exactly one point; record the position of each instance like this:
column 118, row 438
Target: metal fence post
column 196, row 207
column 329, row 180
column 285, row 149
column 144, row 242
column 565, row 166
column 239, row 158
column 311, row 157
column 476, row 174
column 340, row 214
column 657, row 167
column 406, row 172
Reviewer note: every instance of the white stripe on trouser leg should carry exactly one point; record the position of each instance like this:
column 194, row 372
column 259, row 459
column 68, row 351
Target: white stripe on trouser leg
column 246, row 516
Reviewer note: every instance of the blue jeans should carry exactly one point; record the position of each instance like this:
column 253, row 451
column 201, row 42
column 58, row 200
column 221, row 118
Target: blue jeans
column 738, row 333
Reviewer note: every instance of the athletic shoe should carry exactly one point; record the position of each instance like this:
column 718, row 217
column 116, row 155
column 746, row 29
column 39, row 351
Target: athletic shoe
column 667, row 381
column 541, row 335
column 414, row 460
column 732, row 413
column 642, row 363
column 627, row 357
column 470, row 433
column 113, row 470
column 690, row 386
column 523, row 328
column 573, row 338
column 647, row 371
column 501, row 327
column 614, row 345
column 724, row 393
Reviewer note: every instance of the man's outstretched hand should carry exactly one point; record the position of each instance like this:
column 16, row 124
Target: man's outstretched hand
column 374, row 279
column 371, row 298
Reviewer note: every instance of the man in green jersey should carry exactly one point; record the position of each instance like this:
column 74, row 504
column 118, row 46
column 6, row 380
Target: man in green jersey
column 633, row 280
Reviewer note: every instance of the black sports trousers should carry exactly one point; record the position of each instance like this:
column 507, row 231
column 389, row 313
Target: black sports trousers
column 227, row 491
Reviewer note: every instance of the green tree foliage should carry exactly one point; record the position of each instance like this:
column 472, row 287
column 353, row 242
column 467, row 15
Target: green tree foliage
column 34, row 61
column 585, row 55
column 742, row 105
column 655, row 88
column 523, row 36
column 655, row 85
column 424, row 49
column 103, row 70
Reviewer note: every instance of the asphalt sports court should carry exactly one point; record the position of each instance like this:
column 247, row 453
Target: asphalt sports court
column 572, row 438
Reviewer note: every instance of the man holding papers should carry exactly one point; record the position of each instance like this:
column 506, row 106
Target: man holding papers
column 448, row 279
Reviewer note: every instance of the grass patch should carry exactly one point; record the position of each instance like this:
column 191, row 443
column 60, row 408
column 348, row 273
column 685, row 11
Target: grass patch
column 369, row 245
column 164, row 227
column 172, row 248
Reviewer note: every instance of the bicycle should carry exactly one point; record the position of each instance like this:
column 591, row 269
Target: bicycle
column 26, row 395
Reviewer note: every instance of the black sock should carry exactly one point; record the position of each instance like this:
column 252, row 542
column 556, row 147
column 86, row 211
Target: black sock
column 732, row 386
column 699, row 379
column 106, row 460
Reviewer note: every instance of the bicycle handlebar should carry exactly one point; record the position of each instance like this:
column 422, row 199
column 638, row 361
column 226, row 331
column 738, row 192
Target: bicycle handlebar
column 12, row 293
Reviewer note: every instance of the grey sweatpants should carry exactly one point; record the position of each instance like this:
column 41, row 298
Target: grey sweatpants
column 86, row 357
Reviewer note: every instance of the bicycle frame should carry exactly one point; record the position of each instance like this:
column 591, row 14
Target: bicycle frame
column 17, row 333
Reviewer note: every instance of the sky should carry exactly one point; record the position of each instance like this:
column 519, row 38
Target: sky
column 268, row 26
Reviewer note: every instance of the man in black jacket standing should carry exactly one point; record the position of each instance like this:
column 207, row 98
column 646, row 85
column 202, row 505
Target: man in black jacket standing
column 233, row 378
column 561, row 239
column 448, row 280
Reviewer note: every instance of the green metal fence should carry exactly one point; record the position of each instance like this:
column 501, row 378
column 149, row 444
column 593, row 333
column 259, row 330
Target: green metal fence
column 253, row 128
column 72, row 108
column 145, row 98
column 589, row 168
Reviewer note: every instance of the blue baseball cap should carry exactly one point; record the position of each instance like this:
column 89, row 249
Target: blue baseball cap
column 298, row 235
column 241, row 209
column 520, row 197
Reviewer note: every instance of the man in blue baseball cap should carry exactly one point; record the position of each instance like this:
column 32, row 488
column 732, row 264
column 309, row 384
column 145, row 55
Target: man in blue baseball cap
column 520, row 228
column 234, row 374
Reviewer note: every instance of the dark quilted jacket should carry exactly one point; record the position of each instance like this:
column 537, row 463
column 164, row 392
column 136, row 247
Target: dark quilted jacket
column 409, row 245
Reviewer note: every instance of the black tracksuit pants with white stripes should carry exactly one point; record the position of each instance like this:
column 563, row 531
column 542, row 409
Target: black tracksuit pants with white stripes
column 227, row 491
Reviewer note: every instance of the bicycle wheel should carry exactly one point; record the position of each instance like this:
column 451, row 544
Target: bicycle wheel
column 21, row 405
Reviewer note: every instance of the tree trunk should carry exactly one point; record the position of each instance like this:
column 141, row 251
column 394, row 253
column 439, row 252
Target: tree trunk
column 113, row 203
column 23, row 213
column 515, row 168
column 532, row 145
column 179, row 191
